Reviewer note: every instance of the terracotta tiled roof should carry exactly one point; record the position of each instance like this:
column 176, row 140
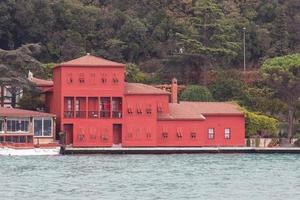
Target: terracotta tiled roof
column 89, row 60
column 13, row 112
column 139, row 88
column 180, row 112
column 208, row 108
column 41, row 82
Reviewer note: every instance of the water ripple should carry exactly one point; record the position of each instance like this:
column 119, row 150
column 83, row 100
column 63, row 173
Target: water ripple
column 203, row 176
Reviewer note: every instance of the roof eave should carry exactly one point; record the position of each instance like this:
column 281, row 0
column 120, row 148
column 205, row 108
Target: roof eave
column 147, row 94
column 223, row 114
column 88, row 65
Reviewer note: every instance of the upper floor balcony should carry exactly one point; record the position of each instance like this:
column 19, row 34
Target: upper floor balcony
column 93, row 107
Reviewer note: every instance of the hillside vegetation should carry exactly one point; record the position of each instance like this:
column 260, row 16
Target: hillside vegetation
column 200, row 42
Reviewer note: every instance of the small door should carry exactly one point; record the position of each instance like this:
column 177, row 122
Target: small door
column 117, row 134
column 68, row 129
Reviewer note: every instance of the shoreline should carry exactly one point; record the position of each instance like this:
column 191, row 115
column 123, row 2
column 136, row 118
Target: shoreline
column 179, row 150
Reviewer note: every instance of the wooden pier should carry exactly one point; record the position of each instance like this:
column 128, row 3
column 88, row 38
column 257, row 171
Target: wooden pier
column 178, row 150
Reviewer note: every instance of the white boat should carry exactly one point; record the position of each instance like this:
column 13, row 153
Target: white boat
column 6, row 151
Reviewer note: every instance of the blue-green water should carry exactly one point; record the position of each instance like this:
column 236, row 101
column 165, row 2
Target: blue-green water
column 197, row 176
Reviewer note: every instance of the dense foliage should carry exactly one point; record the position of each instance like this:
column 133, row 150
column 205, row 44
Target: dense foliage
column 196, row 93
column 283, row 75
column 181, row 38
column 259, row 124
column 227, row 86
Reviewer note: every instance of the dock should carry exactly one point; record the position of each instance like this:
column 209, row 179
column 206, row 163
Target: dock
column 179, row 150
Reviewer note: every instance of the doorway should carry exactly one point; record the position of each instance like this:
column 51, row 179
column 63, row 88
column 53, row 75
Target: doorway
column 68, row 129
column 117, row 134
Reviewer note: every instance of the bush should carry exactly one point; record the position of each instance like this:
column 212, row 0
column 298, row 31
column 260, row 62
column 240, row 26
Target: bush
column 260, row 125
column 196, row 93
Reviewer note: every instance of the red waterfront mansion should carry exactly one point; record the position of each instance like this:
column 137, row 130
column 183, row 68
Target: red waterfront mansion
column 95, row 107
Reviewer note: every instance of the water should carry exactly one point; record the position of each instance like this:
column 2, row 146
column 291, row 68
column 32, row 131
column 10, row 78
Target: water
column 194, row 176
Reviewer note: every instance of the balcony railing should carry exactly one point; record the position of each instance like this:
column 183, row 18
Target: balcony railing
column 117, row 114
column 80, row 114
column 69, row 114
column 93, row 114
column 105, row 114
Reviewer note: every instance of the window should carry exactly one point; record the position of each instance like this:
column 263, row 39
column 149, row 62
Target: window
column 159, row 108
column 22, row 139
column 148, row 133
column 93, row 78
column 129, row 133
column 42, row 126
column 69, row 104
column 81, row 78
column 69, row 78
column 115, row 79
column 105, row 107
column 18, row 125
column 77, row 105
column 148, row 109
column 68, row 107
column 116, row 107
column 1, row 125
column 211, row 133
column 129, row 110
column 179, row 134
column 193, row 135
column 164, row 135
column 138, row 109
column 227, row 133
column 103, row 78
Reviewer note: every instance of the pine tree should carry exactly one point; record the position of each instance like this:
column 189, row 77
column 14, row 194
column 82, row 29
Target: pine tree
column 211, row 32
column 280, row 35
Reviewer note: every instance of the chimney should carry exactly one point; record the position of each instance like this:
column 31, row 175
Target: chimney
column 174, row 88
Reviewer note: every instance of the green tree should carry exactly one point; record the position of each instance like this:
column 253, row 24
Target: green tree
column 196, row 93
column 13, row 82
column 227, row 86
column 134, row 74
column 32, row 99
column 211, row 33
column 283, row 75
column 279, row 35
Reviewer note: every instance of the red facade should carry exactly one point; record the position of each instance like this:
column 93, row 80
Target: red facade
column 95, row 107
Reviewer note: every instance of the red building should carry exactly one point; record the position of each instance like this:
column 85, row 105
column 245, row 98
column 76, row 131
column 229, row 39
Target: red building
column 95, row 107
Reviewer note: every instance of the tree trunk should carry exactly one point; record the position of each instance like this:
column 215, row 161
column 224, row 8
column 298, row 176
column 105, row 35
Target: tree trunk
column 2, row 96
column 290, row 121
column 13, row 97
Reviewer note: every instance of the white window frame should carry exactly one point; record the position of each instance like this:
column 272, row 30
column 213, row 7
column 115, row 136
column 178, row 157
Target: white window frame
column 227, row 135
column 42, row 118
column 211, row 132
column 69, row 104
column 18, row 119
column 77, row 105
